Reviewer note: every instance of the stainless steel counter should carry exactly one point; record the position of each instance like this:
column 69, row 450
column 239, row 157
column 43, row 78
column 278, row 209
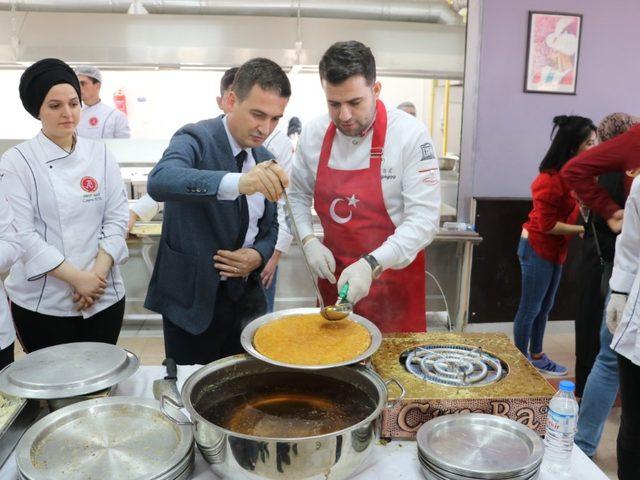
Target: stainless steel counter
column 448, row 260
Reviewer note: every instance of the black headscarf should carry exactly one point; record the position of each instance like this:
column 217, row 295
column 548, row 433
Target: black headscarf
column 37, row 80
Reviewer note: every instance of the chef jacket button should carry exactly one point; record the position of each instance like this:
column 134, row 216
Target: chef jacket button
column 354, row 141
column 50, row 166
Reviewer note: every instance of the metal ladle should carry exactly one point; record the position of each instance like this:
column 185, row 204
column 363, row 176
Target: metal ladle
column 331, row 312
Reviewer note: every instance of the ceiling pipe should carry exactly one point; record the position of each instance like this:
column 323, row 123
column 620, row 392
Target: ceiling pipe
column 420, row 11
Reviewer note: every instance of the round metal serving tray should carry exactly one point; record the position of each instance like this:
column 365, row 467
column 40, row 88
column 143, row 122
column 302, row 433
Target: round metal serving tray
column 68, row 370
column 249, row 331
column 479, row 445
column 127, row 438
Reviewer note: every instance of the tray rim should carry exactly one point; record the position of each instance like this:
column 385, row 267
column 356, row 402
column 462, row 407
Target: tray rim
column 131, row 365
column 424, row 447
column 248, row 332
column 88, row 407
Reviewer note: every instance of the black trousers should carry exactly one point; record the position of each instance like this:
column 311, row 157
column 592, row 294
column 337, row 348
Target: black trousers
column 222, row 337
column 37, row 331
column 588, row 318
column 6, row 356
column 629, row 434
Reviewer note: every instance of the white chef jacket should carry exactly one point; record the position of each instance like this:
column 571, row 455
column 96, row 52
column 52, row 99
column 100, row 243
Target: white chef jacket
column 102, row 121
column 409, row 175
column 145, row 207
column 626, row 278
column 282, row 148
column 66, row 207
column 10, row 251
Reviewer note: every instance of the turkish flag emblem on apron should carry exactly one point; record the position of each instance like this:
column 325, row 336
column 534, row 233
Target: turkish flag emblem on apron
column 355, row 221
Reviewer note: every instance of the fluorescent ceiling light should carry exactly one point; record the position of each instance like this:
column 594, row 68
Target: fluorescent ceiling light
column 137, row 8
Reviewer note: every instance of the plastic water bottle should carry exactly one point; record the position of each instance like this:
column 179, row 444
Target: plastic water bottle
column 562, row 419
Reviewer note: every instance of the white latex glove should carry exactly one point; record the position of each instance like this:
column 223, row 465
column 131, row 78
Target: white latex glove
column 615, row 307
column 358, row 275
column 321, row 260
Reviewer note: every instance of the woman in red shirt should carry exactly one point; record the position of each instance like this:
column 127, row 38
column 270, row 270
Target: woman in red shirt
column 545, row 238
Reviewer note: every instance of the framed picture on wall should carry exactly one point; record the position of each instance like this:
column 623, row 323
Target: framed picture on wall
column 553, row 49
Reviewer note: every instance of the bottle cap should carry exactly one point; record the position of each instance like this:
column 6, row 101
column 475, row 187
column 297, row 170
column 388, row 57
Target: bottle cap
column 567, row 386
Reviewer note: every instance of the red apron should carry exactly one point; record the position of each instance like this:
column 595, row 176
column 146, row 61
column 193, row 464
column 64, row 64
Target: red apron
column 356, row 222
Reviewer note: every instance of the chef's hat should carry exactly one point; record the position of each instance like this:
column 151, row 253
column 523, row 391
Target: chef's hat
column 89, row 71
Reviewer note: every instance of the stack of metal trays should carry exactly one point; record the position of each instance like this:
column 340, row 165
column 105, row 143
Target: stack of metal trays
column 478, row 446
column 67, row 371
column 120, row 437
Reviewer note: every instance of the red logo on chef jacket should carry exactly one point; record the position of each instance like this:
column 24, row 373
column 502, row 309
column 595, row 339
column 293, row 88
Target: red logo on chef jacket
column 93, row 121
column 89, row 184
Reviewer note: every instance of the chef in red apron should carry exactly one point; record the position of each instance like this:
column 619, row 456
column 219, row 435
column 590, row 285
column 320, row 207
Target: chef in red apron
column 372, row 175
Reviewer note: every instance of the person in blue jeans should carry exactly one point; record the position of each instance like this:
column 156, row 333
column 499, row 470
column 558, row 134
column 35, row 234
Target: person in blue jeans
column 599, row 394
column 545, row 239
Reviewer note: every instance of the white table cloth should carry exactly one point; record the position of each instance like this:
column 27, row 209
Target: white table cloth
column 397, row 460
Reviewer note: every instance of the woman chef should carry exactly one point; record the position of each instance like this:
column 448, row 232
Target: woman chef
column 71, row 216
column 373, row 176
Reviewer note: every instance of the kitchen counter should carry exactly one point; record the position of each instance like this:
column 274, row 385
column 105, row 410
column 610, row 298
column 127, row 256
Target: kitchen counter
column 397, row 460
column 449, row 259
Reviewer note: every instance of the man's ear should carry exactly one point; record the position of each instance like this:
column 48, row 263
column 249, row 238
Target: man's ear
column 377, row 87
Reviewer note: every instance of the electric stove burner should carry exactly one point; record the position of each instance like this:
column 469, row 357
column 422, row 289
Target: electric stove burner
column 454, row 365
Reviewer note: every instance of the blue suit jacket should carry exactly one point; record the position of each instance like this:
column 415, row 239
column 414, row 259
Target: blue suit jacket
column 196, row 224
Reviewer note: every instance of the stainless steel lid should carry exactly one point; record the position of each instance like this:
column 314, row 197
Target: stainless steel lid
column 246, row 338
column 68, row 370
column 127, row 438
column 478, row 445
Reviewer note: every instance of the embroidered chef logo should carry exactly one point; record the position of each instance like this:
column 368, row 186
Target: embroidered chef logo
column 89, row 184
column 340, row 209
column 430, row 176
column 93, row 121
column 427, row 152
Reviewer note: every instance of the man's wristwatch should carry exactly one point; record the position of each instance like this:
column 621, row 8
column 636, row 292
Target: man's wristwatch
column 376, row 268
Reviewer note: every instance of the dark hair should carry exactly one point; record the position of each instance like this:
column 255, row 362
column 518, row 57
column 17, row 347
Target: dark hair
column 227, row 79
column 572, row 130
column 295, row 126
column 344, row 60
column 263, row 72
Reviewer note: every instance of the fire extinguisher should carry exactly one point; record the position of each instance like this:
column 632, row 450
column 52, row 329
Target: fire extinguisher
column 120, row 100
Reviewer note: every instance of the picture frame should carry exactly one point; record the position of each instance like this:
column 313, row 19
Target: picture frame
column 553, row 52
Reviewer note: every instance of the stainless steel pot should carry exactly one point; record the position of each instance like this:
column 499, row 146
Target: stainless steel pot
column 331, row 456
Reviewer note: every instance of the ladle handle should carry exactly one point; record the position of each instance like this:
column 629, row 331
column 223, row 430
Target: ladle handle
column 294, row 228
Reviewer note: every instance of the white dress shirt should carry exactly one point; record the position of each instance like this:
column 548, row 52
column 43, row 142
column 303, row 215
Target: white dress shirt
column 229, row 189
column 67, row 206
column 102, row 121
column 10, row 251
column 410, row 181
column 626, row 278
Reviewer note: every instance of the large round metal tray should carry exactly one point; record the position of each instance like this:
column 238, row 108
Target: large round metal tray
column 68, row 370
column 249, row 331
column 479, row 445
column 127, row 438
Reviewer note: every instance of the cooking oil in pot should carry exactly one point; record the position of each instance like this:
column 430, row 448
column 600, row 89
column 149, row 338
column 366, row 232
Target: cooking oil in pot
column 286, row 405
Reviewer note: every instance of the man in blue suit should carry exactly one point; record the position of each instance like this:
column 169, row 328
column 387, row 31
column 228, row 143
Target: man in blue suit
column 220, row 224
